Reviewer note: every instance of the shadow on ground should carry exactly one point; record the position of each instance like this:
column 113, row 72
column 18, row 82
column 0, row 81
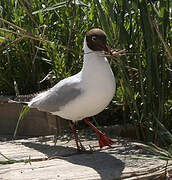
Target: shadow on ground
column 103, row 162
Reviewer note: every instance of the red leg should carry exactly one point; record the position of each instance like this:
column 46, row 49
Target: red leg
column 80, row 147
column 75, row 135
column 103, row 140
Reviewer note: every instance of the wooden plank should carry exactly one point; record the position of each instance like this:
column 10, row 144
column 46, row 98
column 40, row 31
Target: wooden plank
column 122, row 161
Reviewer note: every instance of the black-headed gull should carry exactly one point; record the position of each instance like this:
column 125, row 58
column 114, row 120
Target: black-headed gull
column 85, row 94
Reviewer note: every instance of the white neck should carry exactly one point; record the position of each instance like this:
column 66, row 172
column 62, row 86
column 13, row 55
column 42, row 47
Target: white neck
column 95, row 64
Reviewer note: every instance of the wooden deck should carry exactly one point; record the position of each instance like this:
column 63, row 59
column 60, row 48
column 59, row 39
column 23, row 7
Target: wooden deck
column 40, row 159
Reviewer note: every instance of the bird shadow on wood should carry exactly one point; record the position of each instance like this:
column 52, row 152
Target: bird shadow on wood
column 106, row 165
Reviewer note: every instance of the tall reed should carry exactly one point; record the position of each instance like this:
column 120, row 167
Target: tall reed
column 40, row 39
column 143, row 28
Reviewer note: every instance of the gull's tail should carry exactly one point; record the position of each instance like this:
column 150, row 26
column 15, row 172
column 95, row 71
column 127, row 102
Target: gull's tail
column 22, row 99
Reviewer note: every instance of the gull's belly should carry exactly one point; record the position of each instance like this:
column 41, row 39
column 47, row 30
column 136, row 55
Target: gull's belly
column 91, row 102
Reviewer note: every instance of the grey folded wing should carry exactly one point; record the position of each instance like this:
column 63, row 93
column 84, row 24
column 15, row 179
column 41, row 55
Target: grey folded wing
column 57, row 97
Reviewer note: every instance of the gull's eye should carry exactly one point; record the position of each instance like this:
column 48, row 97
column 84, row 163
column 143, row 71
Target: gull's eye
column 93, row 38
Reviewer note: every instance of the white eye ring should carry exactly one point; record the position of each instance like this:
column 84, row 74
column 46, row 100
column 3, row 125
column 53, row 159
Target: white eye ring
column 93, row 38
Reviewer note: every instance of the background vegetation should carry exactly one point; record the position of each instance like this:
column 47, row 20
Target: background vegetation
column 41, row 43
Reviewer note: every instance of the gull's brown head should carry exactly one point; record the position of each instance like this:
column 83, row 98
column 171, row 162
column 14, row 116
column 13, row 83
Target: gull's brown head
column 96, row 40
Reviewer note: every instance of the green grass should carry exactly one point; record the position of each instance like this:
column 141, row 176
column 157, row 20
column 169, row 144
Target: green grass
column 41, row 43
column 144, row 74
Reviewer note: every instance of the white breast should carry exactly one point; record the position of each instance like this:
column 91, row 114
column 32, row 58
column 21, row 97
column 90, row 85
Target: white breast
column 98, row 86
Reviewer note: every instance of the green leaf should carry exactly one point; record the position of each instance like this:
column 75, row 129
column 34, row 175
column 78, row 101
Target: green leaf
column 22, row 114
